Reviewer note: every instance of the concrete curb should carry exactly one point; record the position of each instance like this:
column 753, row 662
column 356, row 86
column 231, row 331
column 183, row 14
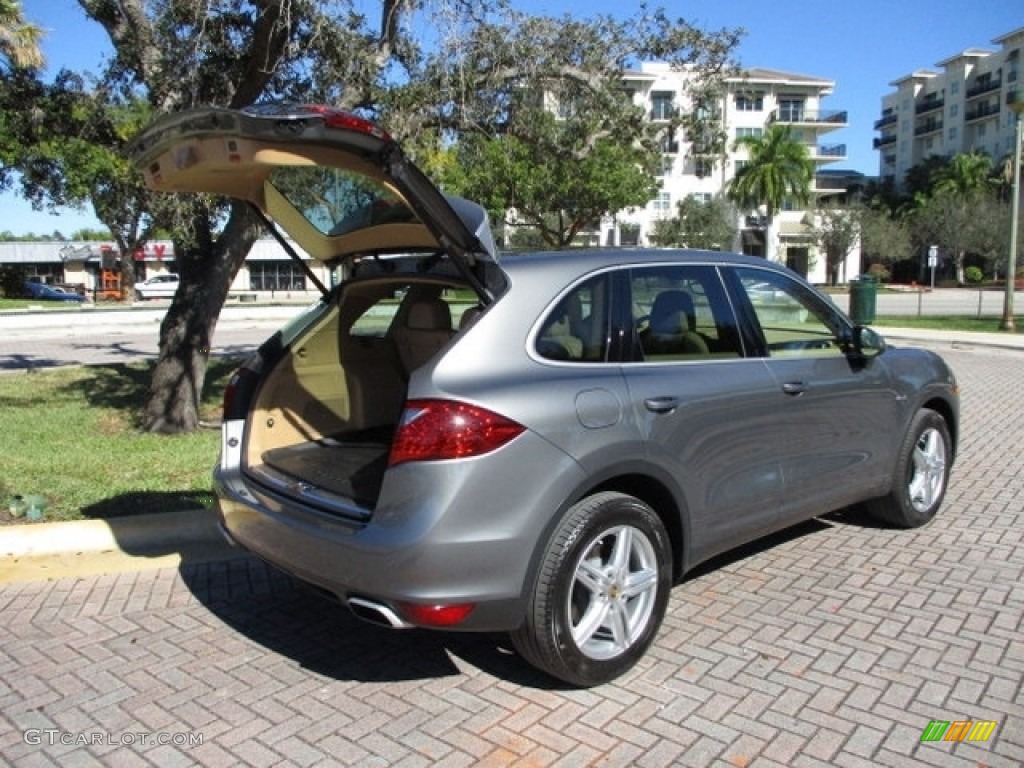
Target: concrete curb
column 153, row 534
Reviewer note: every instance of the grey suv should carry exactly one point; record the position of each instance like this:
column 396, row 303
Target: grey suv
column 542, row 443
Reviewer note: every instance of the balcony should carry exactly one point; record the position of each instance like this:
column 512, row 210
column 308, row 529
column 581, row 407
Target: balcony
column 986, row 109
column 929, row 105
column 883, row 141
column 885, row 120
column 829, row 153
column 832, row 118
column 928, row 126
column 983, row 86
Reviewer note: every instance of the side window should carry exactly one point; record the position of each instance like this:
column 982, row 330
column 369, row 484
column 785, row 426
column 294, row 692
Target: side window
column 374, row 313
column 681, row 313
column 793, row 321
column 576, row 328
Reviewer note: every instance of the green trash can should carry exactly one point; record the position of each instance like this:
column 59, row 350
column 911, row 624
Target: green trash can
column 863, row 299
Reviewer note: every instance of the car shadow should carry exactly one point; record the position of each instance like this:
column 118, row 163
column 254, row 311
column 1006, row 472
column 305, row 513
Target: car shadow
column 295, row 620
column 290, row 618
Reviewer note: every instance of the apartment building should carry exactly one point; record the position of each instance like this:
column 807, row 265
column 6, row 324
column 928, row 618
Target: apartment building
column 751, row 102
column 962, row 106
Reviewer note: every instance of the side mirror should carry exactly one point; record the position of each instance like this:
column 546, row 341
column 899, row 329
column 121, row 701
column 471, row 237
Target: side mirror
column 866, row 342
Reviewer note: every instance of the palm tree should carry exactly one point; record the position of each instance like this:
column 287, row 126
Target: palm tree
column 19, row 39
column 965, row 180
column 965, row 174
column 778, row 168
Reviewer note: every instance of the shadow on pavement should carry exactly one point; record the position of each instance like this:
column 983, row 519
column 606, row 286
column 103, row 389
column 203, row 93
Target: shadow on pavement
column 28, row 363
column 286, row 617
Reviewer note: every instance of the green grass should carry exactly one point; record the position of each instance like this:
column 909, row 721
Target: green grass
column 947, row 322
column 72, row 436
column 36, row 303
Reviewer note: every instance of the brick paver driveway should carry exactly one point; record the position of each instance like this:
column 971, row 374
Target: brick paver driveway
column 836, row 644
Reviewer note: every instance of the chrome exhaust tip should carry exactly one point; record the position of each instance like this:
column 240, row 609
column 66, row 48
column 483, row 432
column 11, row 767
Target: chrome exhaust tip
column 376, row 613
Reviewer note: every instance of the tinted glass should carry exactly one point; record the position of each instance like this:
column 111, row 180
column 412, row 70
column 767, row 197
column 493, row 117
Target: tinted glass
column 793, row 320
column 337, row 202
column 681, row 313
column 577, row 328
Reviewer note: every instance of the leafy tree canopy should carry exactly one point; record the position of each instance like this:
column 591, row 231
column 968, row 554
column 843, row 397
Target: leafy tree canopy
column 697, row 224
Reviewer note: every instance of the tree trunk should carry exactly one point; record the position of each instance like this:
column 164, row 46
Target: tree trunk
column 958, row 261
column 206, row 270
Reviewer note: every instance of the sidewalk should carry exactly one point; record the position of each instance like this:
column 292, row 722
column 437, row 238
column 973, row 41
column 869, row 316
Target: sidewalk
column 939, row 339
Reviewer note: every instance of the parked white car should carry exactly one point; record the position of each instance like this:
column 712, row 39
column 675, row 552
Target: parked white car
column 157, row 287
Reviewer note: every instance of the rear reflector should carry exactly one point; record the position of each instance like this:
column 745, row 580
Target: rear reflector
column 434, row 430
column 436, row 615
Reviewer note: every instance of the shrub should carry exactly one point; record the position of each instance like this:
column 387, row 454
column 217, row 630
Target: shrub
column 973, row 275
column 880, row 272
column 12, row 279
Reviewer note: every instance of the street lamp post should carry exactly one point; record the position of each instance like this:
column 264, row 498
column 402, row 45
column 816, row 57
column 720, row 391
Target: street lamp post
column 1016, row 105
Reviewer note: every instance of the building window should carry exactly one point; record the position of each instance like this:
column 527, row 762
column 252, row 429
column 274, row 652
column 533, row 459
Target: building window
column 754, row 132
column 661, row 105
column 703, row 167
column 791, row 110
column 667, row 163
column 663, row 203
column 749, row 102
column 276, row 276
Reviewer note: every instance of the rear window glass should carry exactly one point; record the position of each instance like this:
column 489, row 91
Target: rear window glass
column 338, row 202
column 577, row 328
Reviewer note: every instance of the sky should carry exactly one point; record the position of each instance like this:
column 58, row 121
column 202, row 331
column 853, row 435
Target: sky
column 861, row 45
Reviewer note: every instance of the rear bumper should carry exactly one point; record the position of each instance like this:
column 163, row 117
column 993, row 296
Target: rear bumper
column 472, row 541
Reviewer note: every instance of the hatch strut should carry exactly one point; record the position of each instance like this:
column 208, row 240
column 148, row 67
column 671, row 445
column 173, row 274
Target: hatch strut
column 288, row 249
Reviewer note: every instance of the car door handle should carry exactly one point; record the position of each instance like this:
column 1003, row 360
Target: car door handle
column 661, row 404
column 794, row 387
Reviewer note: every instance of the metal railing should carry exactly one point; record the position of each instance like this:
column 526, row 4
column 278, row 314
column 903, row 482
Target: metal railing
column 796, row 115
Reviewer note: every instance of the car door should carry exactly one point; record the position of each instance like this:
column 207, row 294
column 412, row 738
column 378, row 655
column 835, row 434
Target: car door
column 834, row 412
column 704, row 409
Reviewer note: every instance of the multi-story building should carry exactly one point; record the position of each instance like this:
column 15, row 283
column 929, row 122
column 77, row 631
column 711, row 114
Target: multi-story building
column 752, row 101
column 959, row 108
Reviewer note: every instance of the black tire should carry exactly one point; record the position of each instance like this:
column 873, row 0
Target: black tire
column 921, row 476
column 578, row 578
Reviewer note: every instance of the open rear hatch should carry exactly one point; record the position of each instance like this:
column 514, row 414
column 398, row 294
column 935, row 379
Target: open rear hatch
column 336, row 183
column 318, row 425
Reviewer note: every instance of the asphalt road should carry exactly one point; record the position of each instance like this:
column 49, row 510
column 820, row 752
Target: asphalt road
column 100, row 336
column 103, row 336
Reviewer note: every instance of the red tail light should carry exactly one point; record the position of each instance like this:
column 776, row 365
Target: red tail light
column 339, row 118
column 432, row 430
